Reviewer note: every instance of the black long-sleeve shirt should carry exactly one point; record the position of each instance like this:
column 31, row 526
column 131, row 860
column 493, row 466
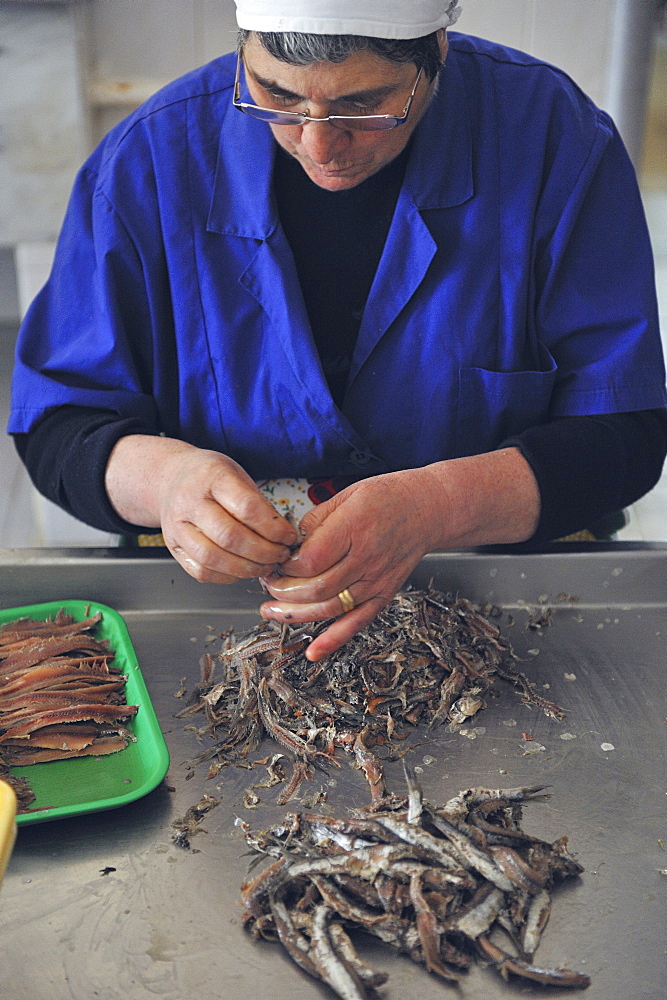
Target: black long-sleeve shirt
column 586, row 467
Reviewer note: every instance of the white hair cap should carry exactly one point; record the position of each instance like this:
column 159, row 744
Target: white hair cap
column 373, row 18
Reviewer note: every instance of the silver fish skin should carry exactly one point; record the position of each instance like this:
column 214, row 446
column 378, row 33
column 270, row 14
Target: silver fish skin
column 506, row 964
column 460, row 805
column 452, row 877
column 343, row 945
column 472, row 856
column 414, row 796
column 333, row 969
column 419, row 838
column 536, row 920
column 481, row 915
column 292, row 940
column 365, row 862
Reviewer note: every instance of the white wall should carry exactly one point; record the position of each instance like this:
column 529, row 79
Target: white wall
column 574, row 35
column 605, row 45
column 163, row 38
column 42, row 117
column 167, row 37
column 69, row 71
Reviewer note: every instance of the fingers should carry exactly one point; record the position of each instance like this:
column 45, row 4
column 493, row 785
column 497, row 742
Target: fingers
column 207, row 562
column 242, row 540
column 326, row 541
column 195, row 569
column 217, row 524
column 240, row 498
column 342, row 630
column 363, row 543
column 214, row 519
column 218, row 549
column 309, row 611
column 316, row 515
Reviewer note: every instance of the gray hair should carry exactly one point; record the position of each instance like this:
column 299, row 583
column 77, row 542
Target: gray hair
column 300, row 49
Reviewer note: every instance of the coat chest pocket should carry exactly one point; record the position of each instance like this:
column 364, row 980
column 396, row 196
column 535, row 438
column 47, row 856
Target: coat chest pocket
column 493, row 406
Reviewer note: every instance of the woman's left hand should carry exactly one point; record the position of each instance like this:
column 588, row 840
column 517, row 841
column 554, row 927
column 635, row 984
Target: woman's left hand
column 366, row 541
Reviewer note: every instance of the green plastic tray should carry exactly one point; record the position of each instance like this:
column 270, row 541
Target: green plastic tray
column 89, row 784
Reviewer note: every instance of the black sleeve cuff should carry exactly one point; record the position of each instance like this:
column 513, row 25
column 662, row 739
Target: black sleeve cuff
column 66, row 455
column 591, row 466
column 586, row 467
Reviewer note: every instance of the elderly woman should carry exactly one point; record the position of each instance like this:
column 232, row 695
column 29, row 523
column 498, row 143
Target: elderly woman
column 360, row 248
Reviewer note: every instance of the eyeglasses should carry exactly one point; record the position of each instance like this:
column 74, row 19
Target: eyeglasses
column 358, row 123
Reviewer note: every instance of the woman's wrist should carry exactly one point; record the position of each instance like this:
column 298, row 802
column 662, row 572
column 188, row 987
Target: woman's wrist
column 136, row 470
column 487, row 499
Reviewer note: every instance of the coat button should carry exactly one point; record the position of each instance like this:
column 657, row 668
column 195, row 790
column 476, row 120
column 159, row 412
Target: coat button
column 360, row 458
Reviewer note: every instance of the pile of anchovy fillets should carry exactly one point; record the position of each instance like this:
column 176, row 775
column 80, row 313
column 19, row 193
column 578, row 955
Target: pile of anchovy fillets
column 61, row 695
column 424, row 659
column 432, row 882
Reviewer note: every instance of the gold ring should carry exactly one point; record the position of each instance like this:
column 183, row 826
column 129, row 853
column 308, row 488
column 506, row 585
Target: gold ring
column 347, row 600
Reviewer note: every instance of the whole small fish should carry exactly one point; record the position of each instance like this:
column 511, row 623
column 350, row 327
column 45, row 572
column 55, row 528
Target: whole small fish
column 415, row 881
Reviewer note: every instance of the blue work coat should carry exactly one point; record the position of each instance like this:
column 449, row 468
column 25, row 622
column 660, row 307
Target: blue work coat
column 516, row 284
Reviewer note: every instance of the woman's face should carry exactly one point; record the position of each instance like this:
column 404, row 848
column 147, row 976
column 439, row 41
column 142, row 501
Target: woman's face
column 365, row 83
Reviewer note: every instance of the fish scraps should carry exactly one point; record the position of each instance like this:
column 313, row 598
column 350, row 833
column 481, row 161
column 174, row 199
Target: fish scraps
column 190, row 824
column 425, row 659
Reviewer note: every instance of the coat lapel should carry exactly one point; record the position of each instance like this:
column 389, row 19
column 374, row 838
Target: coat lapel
column 408, row 251
column 438, row 176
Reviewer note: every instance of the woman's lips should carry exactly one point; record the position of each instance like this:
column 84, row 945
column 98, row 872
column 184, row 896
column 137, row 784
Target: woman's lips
column 352, row 168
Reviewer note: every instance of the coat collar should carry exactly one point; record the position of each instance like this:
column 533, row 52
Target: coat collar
column 439, row 173
column 243, row 203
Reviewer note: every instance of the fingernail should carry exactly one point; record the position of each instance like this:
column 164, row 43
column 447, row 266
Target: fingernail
column 275, row 610
column 283, row 586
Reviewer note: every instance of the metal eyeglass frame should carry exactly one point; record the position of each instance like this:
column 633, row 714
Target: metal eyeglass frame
column 360, row 123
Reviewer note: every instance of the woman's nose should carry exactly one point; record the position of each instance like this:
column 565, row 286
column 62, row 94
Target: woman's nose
column 322, row 141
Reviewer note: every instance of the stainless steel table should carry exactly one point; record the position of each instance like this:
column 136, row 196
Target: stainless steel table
column 165, row 923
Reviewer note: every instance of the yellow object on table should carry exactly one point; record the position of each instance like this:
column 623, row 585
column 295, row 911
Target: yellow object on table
column 7, row 824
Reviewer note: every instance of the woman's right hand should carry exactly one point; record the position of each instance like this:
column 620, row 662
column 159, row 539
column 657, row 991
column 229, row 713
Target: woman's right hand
column 214, row 520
